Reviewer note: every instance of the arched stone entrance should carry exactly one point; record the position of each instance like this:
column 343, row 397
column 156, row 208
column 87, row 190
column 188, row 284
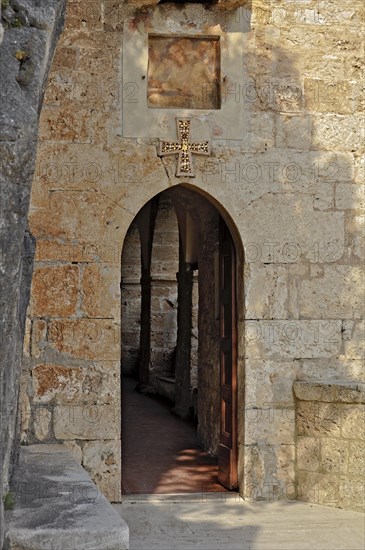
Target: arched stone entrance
column 182, row 288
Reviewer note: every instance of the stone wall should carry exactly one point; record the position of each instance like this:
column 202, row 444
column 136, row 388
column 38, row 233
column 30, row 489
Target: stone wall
column 288, row 184
column 29, row 34
column 330, row 453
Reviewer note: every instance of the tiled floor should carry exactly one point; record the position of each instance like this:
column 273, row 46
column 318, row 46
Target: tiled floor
column 160, row 452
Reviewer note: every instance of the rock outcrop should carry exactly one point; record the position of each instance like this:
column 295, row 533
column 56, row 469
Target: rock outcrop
column 29, row 32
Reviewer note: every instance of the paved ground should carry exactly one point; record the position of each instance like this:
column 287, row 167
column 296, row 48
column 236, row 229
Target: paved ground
column 161, row 452
column 224, row 522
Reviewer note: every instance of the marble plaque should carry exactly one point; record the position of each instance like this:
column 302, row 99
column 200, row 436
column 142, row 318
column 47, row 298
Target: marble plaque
column 183, row 72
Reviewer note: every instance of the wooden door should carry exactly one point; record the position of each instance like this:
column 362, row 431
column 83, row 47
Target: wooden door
column 227, row 450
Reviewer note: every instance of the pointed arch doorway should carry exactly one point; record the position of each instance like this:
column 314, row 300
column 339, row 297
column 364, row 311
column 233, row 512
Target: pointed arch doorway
column 184, row 260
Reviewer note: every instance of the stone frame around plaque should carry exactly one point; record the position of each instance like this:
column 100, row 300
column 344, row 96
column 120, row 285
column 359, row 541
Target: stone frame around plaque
column 139, row 119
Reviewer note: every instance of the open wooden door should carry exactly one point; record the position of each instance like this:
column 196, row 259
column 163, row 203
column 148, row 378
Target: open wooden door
column 227, row 450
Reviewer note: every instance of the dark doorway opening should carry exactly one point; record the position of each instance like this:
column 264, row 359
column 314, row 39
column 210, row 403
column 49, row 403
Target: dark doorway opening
column 179, row 348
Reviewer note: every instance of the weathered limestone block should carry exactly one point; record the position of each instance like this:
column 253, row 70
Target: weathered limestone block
column 25, row 413
column 292, row 339
column 352, row 494
column 327, row 96
column 321, row 66
column 80, row 167
column 77, row 251
column 259, row 134
column 39, row 337
column 269, row 472
column 269, row 383
column 358, row 233
column 338, row 133
column 337, row 294
column 66, row 125
column 353, row 422
column 319, row 488
column 286, row 231
column 86, row 422
column 308, row 453
column 266, row 288
column 330, row 425
column 314, row 418
column 102, row 459
column 340, row 368
column 356, row 458
column 82, row 216
column 283, row 469
column 334, row 456
column 41, row 423
column 273, row 426
column 359, row 167
column 330, row 391
column 100, row 288
column 96, row 339
column 349, row 197
column 355, row 345
column 55, row 291
column 293, row 131
column 266, row 175
column 278, row 94
column 324, row 15
column 61, row 384
column 57, row 504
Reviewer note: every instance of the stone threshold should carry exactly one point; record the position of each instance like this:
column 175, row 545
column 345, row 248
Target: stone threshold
column 168, row 498
column 58, row 507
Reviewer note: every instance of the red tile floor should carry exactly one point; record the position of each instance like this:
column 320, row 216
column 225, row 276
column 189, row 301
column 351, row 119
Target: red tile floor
column 160, row 452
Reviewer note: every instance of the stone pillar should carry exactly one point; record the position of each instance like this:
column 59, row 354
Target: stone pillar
column 146, row 225
column 194, row 357
column 183, row 346
column 145, row 335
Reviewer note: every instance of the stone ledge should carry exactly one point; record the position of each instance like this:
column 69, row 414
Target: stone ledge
column 330, row 391
column 58, row 507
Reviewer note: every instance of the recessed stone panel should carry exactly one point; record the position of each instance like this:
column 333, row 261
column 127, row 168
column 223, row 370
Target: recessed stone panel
column 182, row 69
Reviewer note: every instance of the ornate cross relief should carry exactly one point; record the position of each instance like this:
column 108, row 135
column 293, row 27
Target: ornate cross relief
column 184, row 148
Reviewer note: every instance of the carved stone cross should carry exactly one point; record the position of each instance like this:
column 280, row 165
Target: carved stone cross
column 184, row 148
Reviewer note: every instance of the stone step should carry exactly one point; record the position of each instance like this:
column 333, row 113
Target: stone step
column 58, row 507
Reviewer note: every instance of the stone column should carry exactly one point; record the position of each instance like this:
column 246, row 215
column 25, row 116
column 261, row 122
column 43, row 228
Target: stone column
column 183, row 346
column 145, row 336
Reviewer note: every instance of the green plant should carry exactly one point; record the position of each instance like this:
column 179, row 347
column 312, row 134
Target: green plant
column 21, row 55
column 4, row 4
column 16, row 23
column 9, row 501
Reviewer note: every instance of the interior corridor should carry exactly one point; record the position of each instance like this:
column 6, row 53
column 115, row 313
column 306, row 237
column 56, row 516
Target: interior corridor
column 160, row 452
